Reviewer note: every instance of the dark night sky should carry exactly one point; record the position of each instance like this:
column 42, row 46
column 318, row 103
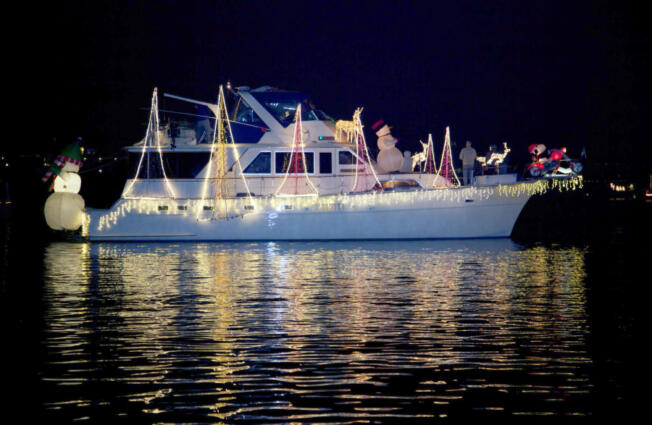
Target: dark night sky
column 560, row 73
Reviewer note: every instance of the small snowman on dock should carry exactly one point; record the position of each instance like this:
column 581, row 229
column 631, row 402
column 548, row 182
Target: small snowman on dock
column 65, row 207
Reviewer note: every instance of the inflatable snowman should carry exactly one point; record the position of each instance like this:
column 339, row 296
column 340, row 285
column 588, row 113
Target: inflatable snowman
column 65, row 207
column 389, row 158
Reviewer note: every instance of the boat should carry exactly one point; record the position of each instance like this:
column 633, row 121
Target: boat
column 276, row 167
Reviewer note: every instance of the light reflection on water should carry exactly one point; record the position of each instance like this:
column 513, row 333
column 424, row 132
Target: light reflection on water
column 318, row 331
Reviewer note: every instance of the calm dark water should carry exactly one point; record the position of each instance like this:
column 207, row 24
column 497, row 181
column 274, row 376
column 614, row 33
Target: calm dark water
column 355, row 332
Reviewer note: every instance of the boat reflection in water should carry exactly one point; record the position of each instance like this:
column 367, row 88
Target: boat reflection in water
column 316, row 331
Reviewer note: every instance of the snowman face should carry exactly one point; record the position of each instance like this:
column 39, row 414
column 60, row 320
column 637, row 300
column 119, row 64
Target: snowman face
column 386, row 142
column 384, row 131
column 70, row 167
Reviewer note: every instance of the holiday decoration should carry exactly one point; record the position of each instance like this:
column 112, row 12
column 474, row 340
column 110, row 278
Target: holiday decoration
column 355, row 202
column 497, row 158
column 64, row 208
column 431, row 163
column 68, row 161
column 362, row 180
column 67, row 182
column 426, row 158
column 557, row 163
column 217, row 168
column 152, row 138
column 296, row 180
column 389, row 159
column 64, row 211
column 446, row 176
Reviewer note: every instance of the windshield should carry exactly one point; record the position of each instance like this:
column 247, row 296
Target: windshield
column 283, row 106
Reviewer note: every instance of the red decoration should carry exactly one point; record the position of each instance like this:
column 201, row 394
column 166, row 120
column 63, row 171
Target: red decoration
column 362, row 173
column 431, row 167
column 297, row 168
column 446, row 169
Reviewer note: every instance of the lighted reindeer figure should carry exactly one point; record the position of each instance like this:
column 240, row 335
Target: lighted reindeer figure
column 496, row 158
column 419, row 158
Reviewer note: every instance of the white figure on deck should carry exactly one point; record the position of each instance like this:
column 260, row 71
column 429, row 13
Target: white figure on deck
column 389, row 158
column 64, row 208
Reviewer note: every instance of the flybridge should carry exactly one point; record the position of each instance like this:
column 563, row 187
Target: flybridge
column 263, row 115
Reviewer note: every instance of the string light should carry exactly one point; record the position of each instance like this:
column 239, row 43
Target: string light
column 218, row 158
column 158, row 147
column 240, row 207
column 345, row 131
column 153, row 123
column 361, row 145
column 495, row 158
column 446, row 164
column 431, row 163
column 222, row 125
column 293, row 166
column 236, row 154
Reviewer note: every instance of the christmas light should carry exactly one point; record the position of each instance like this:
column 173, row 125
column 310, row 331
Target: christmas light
column 217, row 157
column 446, row 169
column 337, row 202
column 345, row 131
column 431, row 163
column 153, row 125
column 360, row 150
column 495, row 158
column 221, row 132
column 294, row 167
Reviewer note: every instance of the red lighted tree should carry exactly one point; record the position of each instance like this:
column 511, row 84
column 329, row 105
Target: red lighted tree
column 431, row 164
column 296, row 180
column 446, row 176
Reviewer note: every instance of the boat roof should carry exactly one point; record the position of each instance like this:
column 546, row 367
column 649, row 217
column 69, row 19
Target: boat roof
column 264, row 115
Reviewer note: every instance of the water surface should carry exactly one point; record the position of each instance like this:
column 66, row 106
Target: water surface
column 315, row 332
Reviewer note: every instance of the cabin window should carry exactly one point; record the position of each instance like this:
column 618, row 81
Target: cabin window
column 325, row 163
column 178, row 165
column 345, row 158
column 283, row 162
column 262, row 164
column 184, row 165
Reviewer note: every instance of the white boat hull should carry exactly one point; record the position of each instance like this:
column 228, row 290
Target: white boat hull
column 432, row 214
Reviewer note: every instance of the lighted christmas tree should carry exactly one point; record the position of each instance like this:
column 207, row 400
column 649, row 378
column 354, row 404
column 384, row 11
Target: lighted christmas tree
column 364, row 171
column 296, row 180
column 221, row 136
column 152, row 139
column 217, row 168
column 446, row 169
column 431, row 164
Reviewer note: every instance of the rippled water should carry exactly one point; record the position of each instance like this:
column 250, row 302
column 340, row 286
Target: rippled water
column 315, row 332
